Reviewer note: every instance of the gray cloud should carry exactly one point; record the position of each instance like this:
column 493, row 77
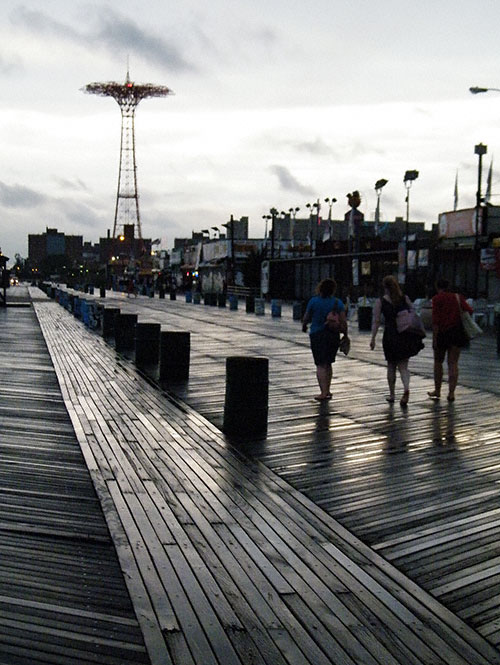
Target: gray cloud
column 289, row 182
column 75, row 185
column 18, row 196
column 317, row 147
column 111, row 31
column 117, row 32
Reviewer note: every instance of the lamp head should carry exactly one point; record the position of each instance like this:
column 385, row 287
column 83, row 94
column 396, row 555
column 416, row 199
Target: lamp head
column 475, row 90
column 380, row 183
column 410, row 176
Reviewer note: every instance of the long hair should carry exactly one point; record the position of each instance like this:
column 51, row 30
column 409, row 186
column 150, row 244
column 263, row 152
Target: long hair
column 327, row 287
column 392, row 287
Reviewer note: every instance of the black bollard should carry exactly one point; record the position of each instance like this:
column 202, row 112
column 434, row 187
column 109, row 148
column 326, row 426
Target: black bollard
column 147, row 345
column 250, row 304
column 108, row 321
column 221, row 299
column 246, row 398
column 173, row 295
column 125, row 331
column 102, row 292
column 175, row 350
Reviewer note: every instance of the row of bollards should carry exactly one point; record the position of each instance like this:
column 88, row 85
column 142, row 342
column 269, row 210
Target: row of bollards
column 165, row 355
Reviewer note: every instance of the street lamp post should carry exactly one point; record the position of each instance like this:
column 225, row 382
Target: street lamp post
column 408, row 179
column 479, row 150
column 330, row 201
column 311, row 206
column 378, row 190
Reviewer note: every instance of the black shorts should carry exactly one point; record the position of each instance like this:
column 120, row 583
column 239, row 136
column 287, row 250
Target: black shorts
column 447, row 338
column 324, row 346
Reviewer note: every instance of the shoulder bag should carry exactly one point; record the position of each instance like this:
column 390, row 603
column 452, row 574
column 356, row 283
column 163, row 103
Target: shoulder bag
column 407, row 320
column 471, row 329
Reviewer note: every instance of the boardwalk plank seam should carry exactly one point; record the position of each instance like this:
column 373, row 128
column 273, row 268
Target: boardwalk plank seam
column 215, row 442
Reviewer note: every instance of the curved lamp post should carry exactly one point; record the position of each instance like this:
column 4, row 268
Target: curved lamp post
column 408, row 179
column 378, row 190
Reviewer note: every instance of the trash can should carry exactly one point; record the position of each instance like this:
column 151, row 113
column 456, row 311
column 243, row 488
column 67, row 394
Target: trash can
column 297, row 311
column 246, row 397
column 365, row 317
column 233, row 302
column 196, row 298
column 221, row 299
column 260, row 306
column 276, row 308
column 189, row 296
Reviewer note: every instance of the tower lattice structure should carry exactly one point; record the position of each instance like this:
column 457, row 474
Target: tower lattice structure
column 127, row 95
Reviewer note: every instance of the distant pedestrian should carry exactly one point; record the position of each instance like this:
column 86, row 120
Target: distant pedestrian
column 448, row 336
column 398, row 347
column 324, row 342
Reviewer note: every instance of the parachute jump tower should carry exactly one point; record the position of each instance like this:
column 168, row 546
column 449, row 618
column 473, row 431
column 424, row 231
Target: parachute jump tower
column 127, row 95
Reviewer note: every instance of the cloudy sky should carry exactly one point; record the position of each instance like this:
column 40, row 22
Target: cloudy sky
column 277, row 103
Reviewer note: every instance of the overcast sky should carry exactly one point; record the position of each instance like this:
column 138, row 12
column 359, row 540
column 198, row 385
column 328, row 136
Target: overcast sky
column 277, row 103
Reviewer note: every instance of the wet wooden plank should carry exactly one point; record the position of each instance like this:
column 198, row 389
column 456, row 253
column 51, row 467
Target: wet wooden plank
column 308, row 587
column 62, row 593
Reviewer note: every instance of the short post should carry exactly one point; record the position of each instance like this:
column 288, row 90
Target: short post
column 233, row 302
column 246, row 397
column 196, row 298
column 125, row 331
column 161, row 293
column 102, row 292
column 147, row 345
column 250, row 304
column 108, row 321
column 188, row 296
column 175, row 348
column 221, row 299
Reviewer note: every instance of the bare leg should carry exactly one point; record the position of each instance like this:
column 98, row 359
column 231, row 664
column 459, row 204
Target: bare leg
column 404, row 372
column 453, row 356
column 405, row 378
column 391, row 378
column 324, row 376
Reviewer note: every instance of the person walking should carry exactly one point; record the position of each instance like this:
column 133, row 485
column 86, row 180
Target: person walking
column 448, row 336
column 398, row 347
column 324, row 341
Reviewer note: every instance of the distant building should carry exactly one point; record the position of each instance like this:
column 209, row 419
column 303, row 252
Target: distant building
column 54, row 243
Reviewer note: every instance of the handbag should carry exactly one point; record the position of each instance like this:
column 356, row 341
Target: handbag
column 333, row 322
column 471, row 329
column 407, row 320
column 345, row 345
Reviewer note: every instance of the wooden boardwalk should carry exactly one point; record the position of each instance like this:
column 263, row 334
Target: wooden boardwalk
column 225, row 560
column 62, row 594
column 420, row 487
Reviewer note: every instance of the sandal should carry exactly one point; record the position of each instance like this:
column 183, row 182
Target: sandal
column 404, row 400
column 322, row 398
column 434, row 395
column 451, row 398
column 390, row 399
